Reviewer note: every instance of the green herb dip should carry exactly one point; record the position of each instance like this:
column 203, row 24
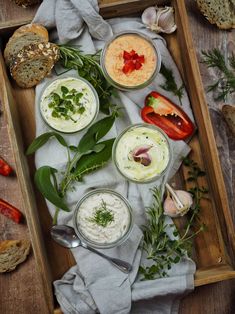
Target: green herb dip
column 69, row 104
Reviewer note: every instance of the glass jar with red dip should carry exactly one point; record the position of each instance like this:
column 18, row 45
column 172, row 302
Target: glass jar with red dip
column 130, row 60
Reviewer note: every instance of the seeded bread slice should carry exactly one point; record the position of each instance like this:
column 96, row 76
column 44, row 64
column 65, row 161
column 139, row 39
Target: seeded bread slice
column 12, row 253
column 23, row 36
column 221, row 13
column 33, row 63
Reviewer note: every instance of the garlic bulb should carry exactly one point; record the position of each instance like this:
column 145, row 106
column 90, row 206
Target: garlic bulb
column 170, row 206
column 160, row 20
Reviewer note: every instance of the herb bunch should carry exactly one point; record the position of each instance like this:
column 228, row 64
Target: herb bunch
column 198, row 192
column 102, row 216
column 225, row 85
column 89, row 155
column 66, row 104
column 170, row 83
column 162, row 250
column 88, row 67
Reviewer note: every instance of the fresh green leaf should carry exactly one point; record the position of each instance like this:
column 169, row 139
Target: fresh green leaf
column 42, row 139
column 95, row 133
column 94, row 161
column 64, row 90
column 87, row 65
column 43, row 182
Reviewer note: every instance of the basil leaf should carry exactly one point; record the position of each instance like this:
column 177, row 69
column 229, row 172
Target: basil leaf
column 95, row 133
column 42, row 139
column 94, row 160
column 43, row 182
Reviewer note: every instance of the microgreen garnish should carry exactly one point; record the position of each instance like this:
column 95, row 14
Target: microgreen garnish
column 102, row 216
column 87, row 65
column 170, row 83
column 159, row 247
column 225, row 85
column 66, row 104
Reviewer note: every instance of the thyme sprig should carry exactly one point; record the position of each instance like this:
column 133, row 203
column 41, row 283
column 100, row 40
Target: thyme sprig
column 161, row 249
column 87, row 65
column 102, row 216
column 225, row 85
column 170, row 83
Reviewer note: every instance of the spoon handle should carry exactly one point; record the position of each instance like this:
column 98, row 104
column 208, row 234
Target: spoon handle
column 122, row 265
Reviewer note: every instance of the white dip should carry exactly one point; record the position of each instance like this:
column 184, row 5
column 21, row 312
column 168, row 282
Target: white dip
column 79, row 112
column 91, row 229
column 138, row 137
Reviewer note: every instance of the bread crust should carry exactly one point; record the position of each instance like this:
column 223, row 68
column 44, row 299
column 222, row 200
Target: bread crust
column 12, row 253
column 220, row 13
column 45, row 52
column 34, row 29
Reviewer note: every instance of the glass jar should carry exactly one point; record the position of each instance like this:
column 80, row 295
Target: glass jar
column 90, row 227
column 140, row 49
column 85, row 106
column 142, row 153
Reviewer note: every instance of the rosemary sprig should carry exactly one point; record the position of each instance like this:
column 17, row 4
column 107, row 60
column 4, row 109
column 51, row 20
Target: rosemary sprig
column 225, row 85
column 170, row 83
column 87, row 65
column 159, row 247
column 102, row 216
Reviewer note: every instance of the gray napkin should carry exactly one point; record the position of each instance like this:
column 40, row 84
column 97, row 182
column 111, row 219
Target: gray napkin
column 94, row 284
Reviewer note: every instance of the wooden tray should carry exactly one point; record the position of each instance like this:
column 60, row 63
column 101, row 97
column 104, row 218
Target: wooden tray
column 214, row 248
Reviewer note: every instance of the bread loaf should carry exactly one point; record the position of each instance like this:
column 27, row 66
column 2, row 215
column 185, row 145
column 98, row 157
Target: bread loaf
column 229, row 115
column 33, row 63
column 12, row 253
column 26, row 3
column 23, row 36
column 221, row 13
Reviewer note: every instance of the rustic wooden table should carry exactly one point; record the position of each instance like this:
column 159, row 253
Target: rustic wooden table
column 218, row 298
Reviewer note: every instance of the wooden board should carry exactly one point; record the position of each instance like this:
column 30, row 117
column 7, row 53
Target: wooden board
column 12, row 16
column 214, row 262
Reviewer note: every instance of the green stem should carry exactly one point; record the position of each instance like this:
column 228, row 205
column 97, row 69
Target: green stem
column 54, row 222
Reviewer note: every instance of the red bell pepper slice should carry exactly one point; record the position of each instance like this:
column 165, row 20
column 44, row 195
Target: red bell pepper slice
column 5, row 169
column 10, row 211
column 160, row 111
column 132, row 61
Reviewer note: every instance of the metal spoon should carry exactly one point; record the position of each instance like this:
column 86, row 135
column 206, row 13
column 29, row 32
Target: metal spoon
column 66, row 236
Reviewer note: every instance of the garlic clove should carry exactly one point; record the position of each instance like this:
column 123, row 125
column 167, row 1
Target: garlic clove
column 149, row 16
column 170, row 206
column 141, row 150
column 144, row 159
column 160, row 19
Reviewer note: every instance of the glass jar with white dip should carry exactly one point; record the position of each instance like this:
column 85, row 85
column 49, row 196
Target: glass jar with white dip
column 103, row 218
column 142, row 153
column 130, row 60
column 69, row 104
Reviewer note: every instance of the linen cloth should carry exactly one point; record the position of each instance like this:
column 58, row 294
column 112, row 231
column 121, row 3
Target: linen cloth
column 94, row 285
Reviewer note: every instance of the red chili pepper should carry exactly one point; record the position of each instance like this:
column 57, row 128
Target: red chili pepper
column 5, row 169
column 169, row 117
column 10, row 211
column 132, row 61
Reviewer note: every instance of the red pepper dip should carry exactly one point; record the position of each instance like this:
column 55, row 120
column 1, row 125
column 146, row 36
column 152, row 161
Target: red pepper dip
column 130, row 60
